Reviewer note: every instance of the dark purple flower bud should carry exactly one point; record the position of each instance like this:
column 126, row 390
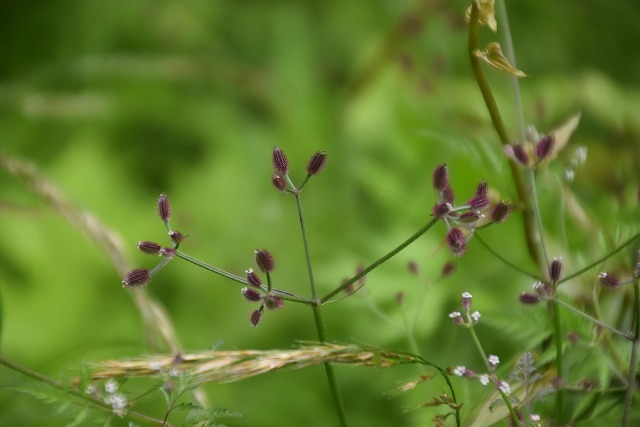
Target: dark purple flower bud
column 470, row 217
column 273, row 302
column 255, row 317
column 544, row 147
column 414, row 268
column 456, row 241
column 529, row 299
column 466, row 301
column 608, row 280
column 280, row 162
column 176, row 237
column 149, row 247
column 440, row 177
column 251, row 294
column 317, row 163
column 167, row 252
column 253, row 278
column 137, row 277
column 264, row 260
column 482, row 190
column 500, row 212
column 440, row 210
column 448, row 269
column 279, row 182
column 517, row 152
column 448, row 195
column 164, row 210
column 479, row 202
column 555, row 269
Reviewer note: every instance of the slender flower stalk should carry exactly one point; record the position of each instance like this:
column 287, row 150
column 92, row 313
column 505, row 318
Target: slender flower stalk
column 633, row 359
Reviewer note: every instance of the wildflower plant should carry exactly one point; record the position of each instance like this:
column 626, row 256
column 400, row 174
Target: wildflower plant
column 544, row 386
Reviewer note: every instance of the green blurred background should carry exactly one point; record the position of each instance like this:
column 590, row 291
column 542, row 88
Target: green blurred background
column 116, row 102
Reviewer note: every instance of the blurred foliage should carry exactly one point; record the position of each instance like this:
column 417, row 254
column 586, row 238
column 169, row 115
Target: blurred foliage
column 116, row 102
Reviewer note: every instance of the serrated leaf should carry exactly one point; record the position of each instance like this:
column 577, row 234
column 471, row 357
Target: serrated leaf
column 209, row 415
column 493, row 56
column 79, row 418
column 486, row 14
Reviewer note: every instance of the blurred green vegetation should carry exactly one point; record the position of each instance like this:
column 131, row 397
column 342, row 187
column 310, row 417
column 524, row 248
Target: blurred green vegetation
column 117, row 102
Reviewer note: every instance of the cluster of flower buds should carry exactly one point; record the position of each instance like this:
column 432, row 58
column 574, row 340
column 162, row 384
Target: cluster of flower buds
column 492, row 363
column 467, row 216
column 112, row 397
column 142, row 276
column 254, row 292
column 467, row 318
column 280, row 177
column 542, row 290
column 532, row 154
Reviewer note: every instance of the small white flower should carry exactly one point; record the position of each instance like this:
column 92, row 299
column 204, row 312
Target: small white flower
column 484, row 379
column 504, row 387
column 535, row 418
column 466, row 295
column 111, row 386
column 493, row 360
column 569, row 175
column 91, row 389
column 475, row 316
column 455, row 314
column 460, row 370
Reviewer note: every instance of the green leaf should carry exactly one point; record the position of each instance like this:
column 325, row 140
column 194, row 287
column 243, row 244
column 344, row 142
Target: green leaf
column 208, row 415
column 493, row 56
column 79, row 419
column 216, row 345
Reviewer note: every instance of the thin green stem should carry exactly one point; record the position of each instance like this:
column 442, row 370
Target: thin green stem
column 317, row 314
column 538, row 217
column 600, row 260
column 633, row 359
column 498, row 124
column 380, row 261
column 83, row 396
column 504, row 260
column 288, row 296
column 557, row 326
column 593, row 319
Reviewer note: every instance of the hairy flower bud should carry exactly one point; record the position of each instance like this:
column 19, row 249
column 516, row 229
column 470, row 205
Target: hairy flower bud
column 280, row 162
column 448, row 194
column 137, row 277
column 273, row 302
column 251, row 294
column 529, row 299
column 456, row 241
column 608, row 280
column 164, row 209
column 466, row 301
column 149, row 247
column 544, row 147
column 167, row 252
column 500, row 212
column 479, row 202
column 470, row 217
column 255, row 317
column 517, row 153
column 555, row 269
column 264, row 260
column 317, row 163
column 440, row 210
column 483, row 189
column 440, row 177
column 176, row 237
column 253, row 278
column 278, row 181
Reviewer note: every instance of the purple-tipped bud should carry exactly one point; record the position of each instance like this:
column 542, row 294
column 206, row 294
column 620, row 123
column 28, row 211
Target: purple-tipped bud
column 470, row 217
column 264, row 260
column 517, row 152
column 466, row 301
column 448, row 194
column 253, row 278
column 608, row 280
column 149, row 247
column 483, row 189
column 529, row 299
column 137, row 277
column 440, row 177
column 500, row 212
column 176, row 237
column 414, row 268
column 456, row 241
column 544, row 147
column 280, row 162
column 273, row 302
column 317, row 163
column 164, row 210
column 167, row 252
column 440, row 210
column 555, row 269
column 255, row 318
column 479, row 202
column 456, row 318
column 278, row 181
column 251, row 294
